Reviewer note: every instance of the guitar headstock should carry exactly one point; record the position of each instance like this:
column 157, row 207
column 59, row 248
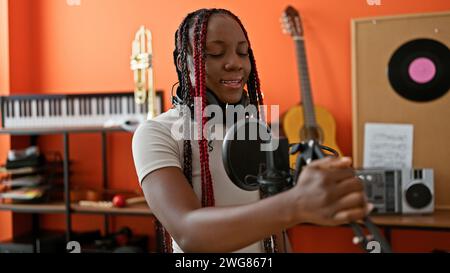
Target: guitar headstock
column 291, row 22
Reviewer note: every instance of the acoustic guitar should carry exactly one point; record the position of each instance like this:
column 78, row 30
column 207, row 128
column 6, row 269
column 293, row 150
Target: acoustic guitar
column 305, row 121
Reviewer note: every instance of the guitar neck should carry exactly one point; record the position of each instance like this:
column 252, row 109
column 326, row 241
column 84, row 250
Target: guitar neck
column 305, row 86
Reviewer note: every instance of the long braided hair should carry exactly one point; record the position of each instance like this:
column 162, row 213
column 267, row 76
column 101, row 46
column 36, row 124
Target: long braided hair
column 198, row 21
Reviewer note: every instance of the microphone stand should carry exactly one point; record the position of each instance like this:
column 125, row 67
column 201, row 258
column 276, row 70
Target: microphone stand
column 271, row 181
column 312, row 150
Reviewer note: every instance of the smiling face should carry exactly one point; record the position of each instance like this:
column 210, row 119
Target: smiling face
column 227, row 63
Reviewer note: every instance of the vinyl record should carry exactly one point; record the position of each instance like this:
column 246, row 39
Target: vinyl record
column 419, row 70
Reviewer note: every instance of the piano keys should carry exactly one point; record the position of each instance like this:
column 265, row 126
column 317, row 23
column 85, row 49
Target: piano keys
column 72, row 110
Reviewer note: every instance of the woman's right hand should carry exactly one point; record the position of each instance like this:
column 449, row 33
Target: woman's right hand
column 328, row 193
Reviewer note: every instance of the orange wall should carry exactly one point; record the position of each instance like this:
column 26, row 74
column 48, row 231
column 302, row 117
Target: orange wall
column 4, row 48
column 55, row 48
column 5, row 217
column 339, row 239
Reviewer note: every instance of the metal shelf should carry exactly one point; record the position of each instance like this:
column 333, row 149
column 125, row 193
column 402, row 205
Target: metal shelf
column 60, row 130
column 138, row 209
column 59, row 207
column 66, row 207
column 35, row 208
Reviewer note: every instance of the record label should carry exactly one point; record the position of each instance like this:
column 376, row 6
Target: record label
column 419, row 70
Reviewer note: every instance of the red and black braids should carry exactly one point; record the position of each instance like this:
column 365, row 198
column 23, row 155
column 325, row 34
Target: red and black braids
column 200, row 91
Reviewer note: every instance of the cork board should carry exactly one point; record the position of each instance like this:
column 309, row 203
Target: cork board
column 374, row 40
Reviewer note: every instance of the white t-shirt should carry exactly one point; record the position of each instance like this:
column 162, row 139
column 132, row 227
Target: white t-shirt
column 155, row 147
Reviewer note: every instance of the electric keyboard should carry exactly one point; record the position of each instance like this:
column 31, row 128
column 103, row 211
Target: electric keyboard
column 72, row 110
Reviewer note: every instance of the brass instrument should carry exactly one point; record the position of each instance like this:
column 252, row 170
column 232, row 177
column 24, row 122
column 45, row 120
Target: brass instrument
column 141, row 64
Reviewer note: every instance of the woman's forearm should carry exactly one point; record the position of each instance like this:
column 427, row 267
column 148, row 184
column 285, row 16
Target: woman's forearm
column 225, row 229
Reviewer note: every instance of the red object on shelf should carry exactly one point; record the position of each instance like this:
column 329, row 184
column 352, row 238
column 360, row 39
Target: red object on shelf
column 119, row 201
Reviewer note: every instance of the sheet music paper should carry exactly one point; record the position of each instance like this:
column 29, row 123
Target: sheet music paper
column 388, row 145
